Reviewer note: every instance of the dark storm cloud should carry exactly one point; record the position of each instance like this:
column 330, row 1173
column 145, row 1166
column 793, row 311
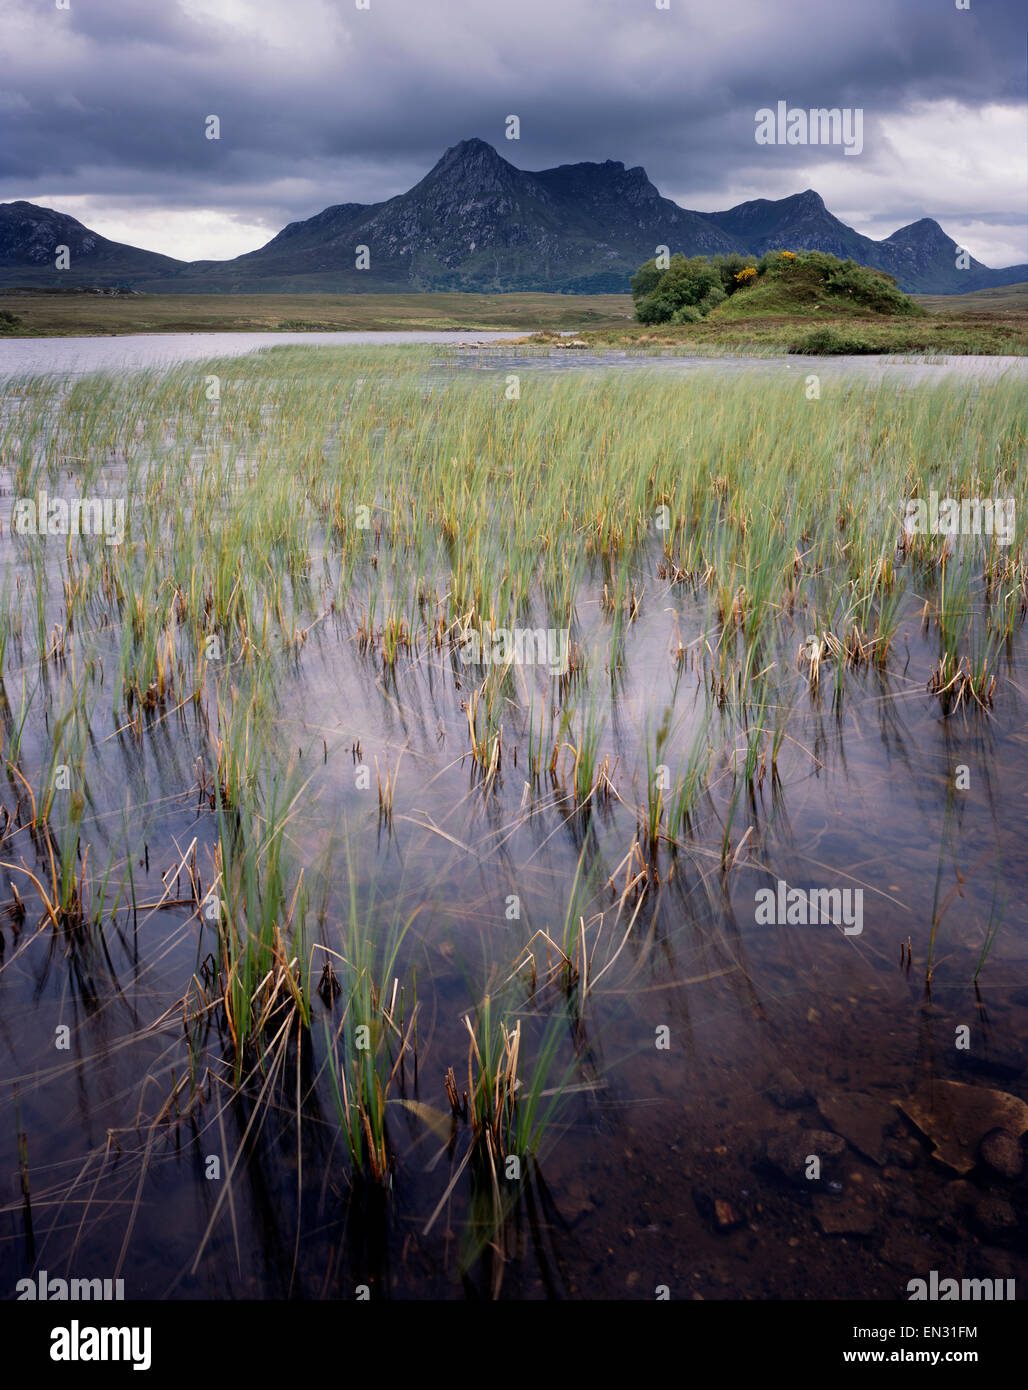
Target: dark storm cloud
column 322, row 103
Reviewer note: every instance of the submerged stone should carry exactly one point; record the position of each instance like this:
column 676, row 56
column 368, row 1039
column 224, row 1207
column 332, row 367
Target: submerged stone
column 956, row 1118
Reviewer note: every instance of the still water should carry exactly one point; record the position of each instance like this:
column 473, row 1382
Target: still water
column 64, row 356
column 670, row 1166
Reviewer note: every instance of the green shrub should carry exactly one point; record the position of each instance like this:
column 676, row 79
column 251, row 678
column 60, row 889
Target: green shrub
column 827, row 341
column 871, row 287
column 702, row 283
column 645, row 280
column 728, row 267
column 687, row 282
column 655, row 308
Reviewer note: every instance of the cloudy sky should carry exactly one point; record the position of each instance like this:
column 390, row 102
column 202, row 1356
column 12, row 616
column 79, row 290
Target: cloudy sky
column 103, row 106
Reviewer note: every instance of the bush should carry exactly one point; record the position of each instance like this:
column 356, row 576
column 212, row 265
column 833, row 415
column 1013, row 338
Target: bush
column 733, row 271
column 9, row 320
column 691, row 282
column 696, row 282
column 645, row 280
column 780, row 264
column 655, row 308
column 871, row 287
column 825, row 342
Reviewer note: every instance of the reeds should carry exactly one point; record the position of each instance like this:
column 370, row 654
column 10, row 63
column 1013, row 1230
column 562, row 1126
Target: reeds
column 303, row 567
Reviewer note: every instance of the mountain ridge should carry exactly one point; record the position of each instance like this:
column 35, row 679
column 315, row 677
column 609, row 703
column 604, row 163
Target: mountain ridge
column 478, row 223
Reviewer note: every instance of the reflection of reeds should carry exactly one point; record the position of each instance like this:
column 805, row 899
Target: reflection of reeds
column 23, row 1177
column 386, row 788
column 956, row 682
column 247, row 553
column 489, row 1102
column 375, row 1036
column 991, row 929
column 507, row 1114
column 61, row 879
column 260, row 927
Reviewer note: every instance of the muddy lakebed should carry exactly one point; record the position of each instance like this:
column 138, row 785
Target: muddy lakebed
column 386, row 817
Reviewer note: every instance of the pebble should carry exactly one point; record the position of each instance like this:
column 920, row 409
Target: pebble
column 843, row 1218
column 861, row 1119
column 1000, row 1152
column 726, row 1218
column 994, row 1216
column 719, row 1212
column 788, row 1153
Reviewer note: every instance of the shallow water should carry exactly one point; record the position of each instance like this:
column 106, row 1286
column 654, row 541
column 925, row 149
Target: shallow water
column 658, row 1170
column 75, row 356
column 630, row 1178
column 870, row 368
column 136, row 351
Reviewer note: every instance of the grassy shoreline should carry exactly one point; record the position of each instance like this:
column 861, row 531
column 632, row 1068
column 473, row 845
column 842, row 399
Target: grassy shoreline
column 987, row 322
column 69, row 314
column 990, row 334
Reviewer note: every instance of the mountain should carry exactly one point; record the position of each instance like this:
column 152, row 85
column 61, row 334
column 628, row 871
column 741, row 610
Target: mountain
column 922, row 257
column 476, row 222
column 29, row 240
column 799, row 222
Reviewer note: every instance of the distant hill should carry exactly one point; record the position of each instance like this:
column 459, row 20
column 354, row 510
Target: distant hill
column 29, row 240
column 921, row 256
column 475, row 222
column 800, row 222
column 1002, row 299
